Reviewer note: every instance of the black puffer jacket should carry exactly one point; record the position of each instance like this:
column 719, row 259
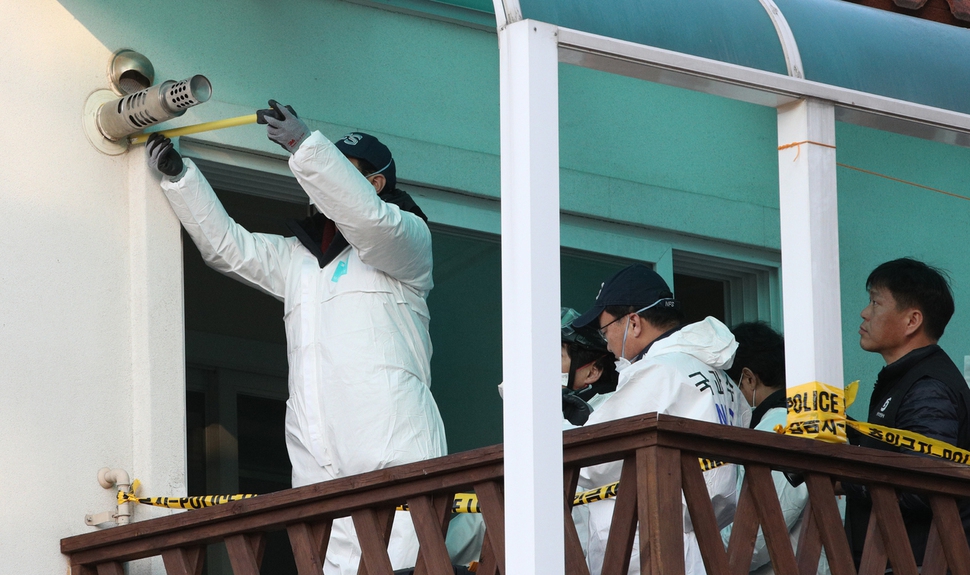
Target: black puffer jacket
column 923, row 392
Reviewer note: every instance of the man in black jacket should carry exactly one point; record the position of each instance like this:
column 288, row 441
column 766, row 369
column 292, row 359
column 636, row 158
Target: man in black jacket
column 919, row 390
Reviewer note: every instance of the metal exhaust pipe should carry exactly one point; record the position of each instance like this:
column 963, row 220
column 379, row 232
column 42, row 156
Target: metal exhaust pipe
column 133, row 113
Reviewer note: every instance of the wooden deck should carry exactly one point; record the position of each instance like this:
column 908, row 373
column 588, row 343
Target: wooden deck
column 659, row 455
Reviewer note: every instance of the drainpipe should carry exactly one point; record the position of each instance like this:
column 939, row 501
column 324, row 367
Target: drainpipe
column 109, row 478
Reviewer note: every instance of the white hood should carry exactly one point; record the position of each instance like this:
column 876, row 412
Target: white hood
column 709, row 340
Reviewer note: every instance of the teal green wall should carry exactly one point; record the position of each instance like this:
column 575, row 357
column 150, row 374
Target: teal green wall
column 881, row 220
column 657, row 159
column 466, row 328
column 431, row 89
column 482, row 5
column 335, row 61
column 632, row 152
column 668, row 158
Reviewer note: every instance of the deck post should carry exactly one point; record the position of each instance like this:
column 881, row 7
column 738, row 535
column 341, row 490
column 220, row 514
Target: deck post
column 529, row 94
column 810, row 247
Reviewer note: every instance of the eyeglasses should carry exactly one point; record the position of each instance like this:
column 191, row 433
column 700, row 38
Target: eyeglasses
column 602, row 329
column 666, row 302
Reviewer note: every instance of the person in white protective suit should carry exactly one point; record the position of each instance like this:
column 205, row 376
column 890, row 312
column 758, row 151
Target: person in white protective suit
column 588, row 379
column 664, row 367
column 588, row 370
column 759, row 370
column 354, row 283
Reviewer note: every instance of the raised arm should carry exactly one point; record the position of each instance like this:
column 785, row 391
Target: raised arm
column 392, row 240
column 259, row 260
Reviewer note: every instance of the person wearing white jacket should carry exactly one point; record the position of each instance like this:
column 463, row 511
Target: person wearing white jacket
column 668, row 368
column 354, row 284
column 759, row 370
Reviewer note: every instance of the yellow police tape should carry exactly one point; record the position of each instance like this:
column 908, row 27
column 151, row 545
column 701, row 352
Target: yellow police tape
column 817, row 411
column 912, row 441
column 197, row 502
column 464, row 502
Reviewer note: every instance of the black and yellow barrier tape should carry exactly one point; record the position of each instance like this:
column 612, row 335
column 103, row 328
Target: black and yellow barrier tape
column 815, row 410
column 197, row 502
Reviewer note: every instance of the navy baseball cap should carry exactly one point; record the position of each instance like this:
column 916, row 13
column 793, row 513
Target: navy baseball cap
column 368, row 148
column 636, row 285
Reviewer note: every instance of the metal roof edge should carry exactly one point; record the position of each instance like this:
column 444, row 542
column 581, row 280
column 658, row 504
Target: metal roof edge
column 793, row 59
column 760, row 87
column 506, row 12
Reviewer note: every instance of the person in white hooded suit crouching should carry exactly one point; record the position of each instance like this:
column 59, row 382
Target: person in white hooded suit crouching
column 668, row 368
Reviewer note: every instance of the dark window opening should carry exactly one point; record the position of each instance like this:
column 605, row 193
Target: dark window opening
column 700, row 297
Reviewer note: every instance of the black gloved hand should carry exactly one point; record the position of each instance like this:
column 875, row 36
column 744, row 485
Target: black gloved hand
column 272, row 113
column 574, row 409
column 162, row 156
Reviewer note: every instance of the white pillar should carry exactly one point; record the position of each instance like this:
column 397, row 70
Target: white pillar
column 810, row 243
column 529, row 94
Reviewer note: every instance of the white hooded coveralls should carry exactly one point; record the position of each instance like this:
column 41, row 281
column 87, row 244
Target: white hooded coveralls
column 792, row 499
column 681, row 375
column 357, row 337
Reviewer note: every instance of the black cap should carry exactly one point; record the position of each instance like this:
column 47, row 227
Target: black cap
column 636, row 285
column 368, row 148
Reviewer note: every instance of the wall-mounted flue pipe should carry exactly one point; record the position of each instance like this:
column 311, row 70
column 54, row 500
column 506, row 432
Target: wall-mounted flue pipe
column 135, row 112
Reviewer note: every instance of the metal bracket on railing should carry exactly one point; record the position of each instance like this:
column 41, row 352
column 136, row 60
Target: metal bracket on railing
column 109, row 478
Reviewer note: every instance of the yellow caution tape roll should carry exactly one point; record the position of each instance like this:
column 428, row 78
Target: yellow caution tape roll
column 817, row 411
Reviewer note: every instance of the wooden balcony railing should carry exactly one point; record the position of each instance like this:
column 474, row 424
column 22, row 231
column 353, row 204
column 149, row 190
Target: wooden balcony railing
column 659, row 455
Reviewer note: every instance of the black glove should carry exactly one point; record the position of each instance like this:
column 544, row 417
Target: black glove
column 272, row 113
column 162, row 156
column 795, row 479
column 574, row 409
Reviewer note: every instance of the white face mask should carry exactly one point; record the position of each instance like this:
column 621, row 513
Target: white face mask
column 626, row 329
column 565, row 379
column 622, row 364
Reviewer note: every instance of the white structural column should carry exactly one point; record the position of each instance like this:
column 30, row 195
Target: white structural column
column 530, row 298
column 810, row 243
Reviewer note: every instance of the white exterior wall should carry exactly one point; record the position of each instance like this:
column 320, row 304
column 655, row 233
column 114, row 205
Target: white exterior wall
column 91, row 368
column 91, row 332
